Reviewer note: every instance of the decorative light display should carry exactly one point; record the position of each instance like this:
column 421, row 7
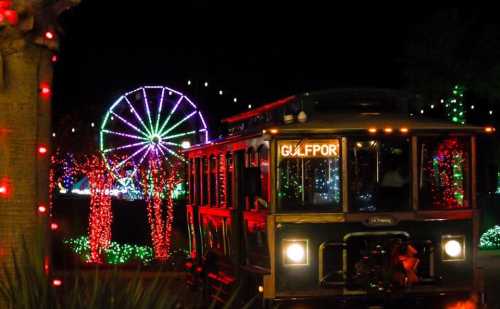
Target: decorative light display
column 69, row 171
column 454, row 106
column 4, row 187
column 56, row 282
column 490, row 239
column 115, row 254
column 42, row 209
column 7, row 14
column 54, row 58
column 45, row 89
column 49, row 35
column 498, row 183
column 159, row 181
column 42, row 149
column 146, row 123
column 100, row 183
column 446, row 169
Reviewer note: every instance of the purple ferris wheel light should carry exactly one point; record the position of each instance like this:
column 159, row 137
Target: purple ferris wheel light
column 154, row 122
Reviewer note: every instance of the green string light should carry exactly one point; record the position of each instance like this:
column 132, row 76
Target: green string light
column 455, row 106
column 115, row 254
column 490, row 239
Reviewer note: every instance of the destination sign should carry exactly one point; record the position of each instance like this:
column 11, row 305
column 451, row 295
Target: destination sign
column 309, row 149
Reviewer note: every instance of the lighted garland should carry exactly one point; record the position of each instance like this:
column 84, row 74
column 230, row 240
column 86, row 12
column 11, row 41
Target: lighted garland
column 100, row 218
column 115, row 254
column 454, row 106
column 490, row 239
column 446, row 168
column 159, row 181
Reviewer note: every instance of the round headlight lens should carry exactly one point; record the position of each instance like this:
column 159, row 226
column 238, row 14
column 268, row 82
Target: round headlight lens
column 453, row 248
column 295, row 252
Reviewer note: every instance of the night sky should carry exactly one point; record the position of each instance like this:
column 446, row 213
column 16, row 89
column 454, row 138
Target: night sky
column 255, row 55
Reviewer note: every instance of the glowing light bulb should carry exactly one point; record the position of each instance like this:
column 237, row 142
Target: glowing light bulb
column 42, row 150
column 249, row 106
column 206, row 84
column 185, row 144
column 235, row 100
column 49, row 35
column 42, row 209
column 221, row 92
column 54, row 226
column 189, row 82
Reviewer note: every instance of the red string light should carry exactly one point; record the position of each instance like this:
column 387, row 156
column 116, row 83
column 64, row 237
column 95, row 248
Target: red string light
column 42, row 209
column 446, row 168
column 5, row 189
column 49, row 35
column 100, row 218
column 54, row 58
column 159, row 182
column 54, row 226
column 57, row 282
column 42, row 150
column 45, row 89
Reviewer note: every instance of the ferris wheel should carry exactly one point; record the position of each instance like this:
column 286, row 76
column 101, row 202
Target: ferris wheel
column 149, row 123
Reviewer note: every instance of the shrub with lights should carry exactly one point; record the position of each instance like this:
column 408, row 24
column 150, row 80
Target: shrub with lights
column 490, row 239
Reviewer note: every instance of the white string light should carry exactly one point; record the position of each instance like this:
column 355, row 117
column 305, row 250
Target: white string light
column 189, row 82
column 472, row 107
column 206, row 84
column 92, row 125
column 221, row 92
column 235, row 100
column 249, row 106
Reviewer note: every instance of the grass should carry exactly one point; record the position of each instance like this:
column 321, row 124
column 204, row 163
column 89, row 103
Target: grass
column 25, row 285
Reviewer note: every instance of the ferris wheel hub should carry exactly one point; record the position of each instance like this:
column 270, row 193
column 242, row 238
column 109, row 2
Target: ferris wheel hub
column 155, row 139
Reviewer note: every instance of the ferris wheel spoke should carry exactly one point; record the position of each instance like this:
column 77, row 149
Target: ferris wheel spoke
column 172, row 144
column 125, row 146
column 170, row 114
column 130, row 157
column 129, row 124
column 178, row 123
column 159, row 110
column 183, row 134
column 140, row 162
column 137, row 115
column 171, row 152
column 147, row 109
column 124, row 134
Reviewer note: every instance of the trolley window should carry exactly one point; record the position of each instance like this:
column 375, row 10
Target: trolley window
column 263, row 156
column 443, row 172
column 379, row 174
column 309, row 175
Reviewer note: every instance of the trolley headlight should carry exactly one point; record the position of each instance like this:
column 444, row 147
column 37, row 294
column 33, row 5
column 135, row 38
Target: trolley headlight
column 453, row 247
column 295, row 252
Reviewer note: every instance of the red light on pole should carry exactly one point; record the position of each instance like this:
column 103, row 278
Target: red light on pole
column 5, row 190
column 42, row 209
column 49, row 35
column 56, row 282
column 45, row 90
column 42, row 150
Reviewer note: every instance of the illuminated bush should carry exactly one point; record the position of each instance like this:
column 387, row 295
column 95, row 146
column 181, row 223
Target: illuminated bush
column 490, row 239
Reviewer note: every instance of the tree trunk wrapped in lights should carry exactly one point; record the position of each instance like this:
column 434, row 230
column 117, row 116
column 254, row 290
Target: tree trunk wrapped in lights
column 100, row 218
column 159, row 180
